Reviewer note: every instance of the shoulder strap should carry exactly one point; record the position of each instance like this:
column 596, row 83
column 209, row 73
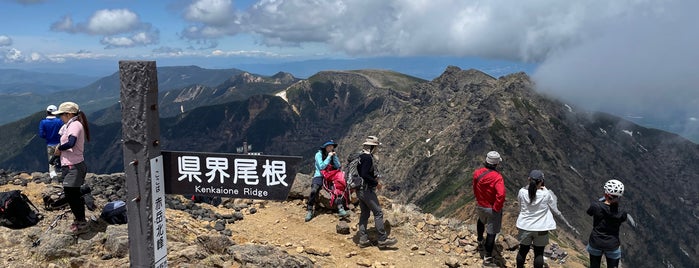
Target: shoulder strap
column 482, row 175
column 25, row 198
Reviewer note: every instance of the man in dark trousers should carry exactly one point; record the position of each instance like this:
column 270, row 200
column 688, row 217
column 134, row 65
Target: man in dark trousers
column 489, row 190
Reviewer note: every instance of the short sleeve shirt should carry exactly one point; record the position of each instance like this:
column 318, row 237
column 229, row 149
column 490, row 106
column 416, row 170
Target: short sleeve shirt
column 73, row 155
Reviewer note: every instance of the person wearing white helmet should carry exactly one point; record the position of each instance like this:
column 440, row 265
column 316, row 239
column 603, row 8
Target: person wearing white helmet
column 606, row 220
column 48, row 130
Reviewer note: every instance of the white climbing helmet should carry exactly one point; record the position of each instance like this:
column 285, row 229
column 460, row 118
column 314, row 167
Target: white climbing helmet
column 614, row 187
column 51, row 108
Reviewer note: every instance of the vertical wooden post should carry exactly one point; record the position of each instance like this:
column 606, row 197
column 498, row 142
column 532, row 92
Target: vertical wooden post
column 140, row 134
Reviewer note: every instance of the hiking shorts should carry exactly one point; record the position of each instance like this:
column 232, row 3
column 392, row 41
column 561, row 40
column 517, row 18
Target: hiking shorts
column 74, row 175
column 537, row 238
column 613, row 254
column 491, row 219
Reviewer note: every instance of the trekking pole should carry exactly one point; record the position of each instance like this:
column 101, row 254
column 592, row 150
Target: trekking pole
column 51, row 226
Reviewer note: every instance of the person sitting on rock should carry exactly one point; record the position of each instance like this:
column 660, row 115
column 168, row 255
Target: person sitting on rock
column 324, row 157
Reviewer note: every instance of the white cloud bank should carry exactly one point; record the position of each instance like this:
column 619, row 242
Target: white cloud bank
column 119, row 28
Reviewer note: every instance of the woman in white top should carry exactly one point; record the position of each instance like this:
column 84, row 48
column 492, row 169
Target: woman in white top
column 535, row 218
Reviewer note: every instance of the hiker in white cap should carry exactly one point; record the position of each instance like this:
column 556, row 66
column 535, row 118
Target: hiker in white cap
column 48, row 130
column 489, row 190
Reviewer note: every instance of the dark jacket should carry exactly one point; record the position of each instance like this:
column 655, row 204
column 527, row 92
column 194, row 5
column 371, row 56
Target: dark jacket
column 605, row 225
column 367, row 170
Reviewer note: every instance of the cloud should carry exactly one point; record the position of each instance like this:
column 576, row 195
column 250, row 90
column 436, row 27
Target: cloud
column 642, row 65
column 112, row 21
column 65, row 24
column 119, row 28
column 210, row 19
column 513, row 30
column 168, row 50
column 244, row 53
column 137, row 39
column 12, row 55
column 5, row 41
column 29, row 2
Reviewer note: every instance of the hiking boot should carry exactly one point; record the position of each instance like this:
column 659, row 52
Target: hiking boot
column 364, row 243
column 341, row 212
column 309, row 215
column 388, row 242
column 79, row 227
column 489, row 262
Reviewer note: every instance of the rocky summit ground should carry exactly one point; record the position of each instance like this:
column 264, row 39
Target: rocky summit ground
column 253, row 233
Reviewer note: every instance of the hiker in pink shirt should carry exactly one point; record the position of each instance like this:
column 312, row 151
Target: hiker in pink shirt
column 74, row 133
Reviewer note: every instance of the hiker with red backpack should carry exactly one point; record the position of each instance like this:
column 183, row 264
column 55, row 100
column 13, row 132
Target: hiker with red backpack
column 326, row 161
column 489, row 190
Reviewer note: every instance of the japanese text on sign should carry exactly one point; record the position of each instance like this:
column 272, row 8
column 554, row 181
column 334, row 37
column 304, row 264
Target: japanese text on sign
column 249, row 176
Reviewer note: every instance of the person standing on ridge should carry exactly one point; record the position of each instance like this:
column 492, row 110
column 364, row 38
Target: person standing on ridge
column 489, row 190
column 324, row 157
column 535, row 220
column 48, row 130
column 606, row 219
column 74, row 133
column 368, row 200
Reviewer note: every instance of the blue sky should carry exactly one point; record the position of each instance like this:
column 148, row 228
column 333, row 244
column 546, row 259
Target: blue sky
column 634, row 57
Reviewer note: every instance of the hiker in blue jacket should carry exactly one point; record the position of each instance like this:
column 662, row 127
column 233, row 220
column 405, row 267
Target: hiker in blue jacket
column 48, row 130
column 368, row 201
column 606, row 219
column 324, row 156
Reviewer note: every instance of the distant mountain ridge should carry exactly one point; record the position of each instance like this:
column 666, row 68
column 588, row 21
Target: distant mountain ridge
column 105, row 91
column 435, row 134
column 14, row 81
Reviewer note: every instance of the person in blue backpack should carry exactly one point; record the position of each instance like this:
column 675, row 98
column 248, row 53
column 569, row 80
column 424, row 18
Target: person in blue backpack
column 324, row 157
column 48, row 130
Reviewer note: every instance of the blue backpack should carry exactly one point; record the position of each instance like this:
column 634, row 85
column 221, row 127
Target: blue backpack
column 114, row 212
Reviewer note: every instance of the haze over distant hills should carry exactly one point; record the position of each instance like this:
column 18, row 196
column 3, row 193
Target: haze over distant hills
column 435, row 134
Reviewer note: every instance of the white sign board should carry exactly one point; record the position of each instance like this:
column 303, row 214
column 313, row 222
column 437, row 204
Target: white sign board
column 158, row 194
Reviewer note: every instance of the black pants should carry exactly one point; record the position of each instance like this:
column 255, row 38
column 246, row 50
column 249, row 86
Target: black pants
column 489, row 239
column 538, row 256
column 75, row 201
column 315, row 188
column 596, row 261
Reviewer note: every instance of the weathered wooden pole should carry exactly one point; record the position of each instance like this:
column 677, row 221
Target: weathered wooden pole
column 143, row 163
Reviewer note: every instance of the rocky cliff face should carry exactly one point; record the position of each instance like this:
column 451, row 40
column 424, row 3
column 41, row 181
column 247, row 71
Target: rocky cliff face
column 437, row 133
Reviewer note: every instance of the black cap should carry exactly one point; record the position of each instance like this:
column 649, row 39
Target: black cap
column 536, row 175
